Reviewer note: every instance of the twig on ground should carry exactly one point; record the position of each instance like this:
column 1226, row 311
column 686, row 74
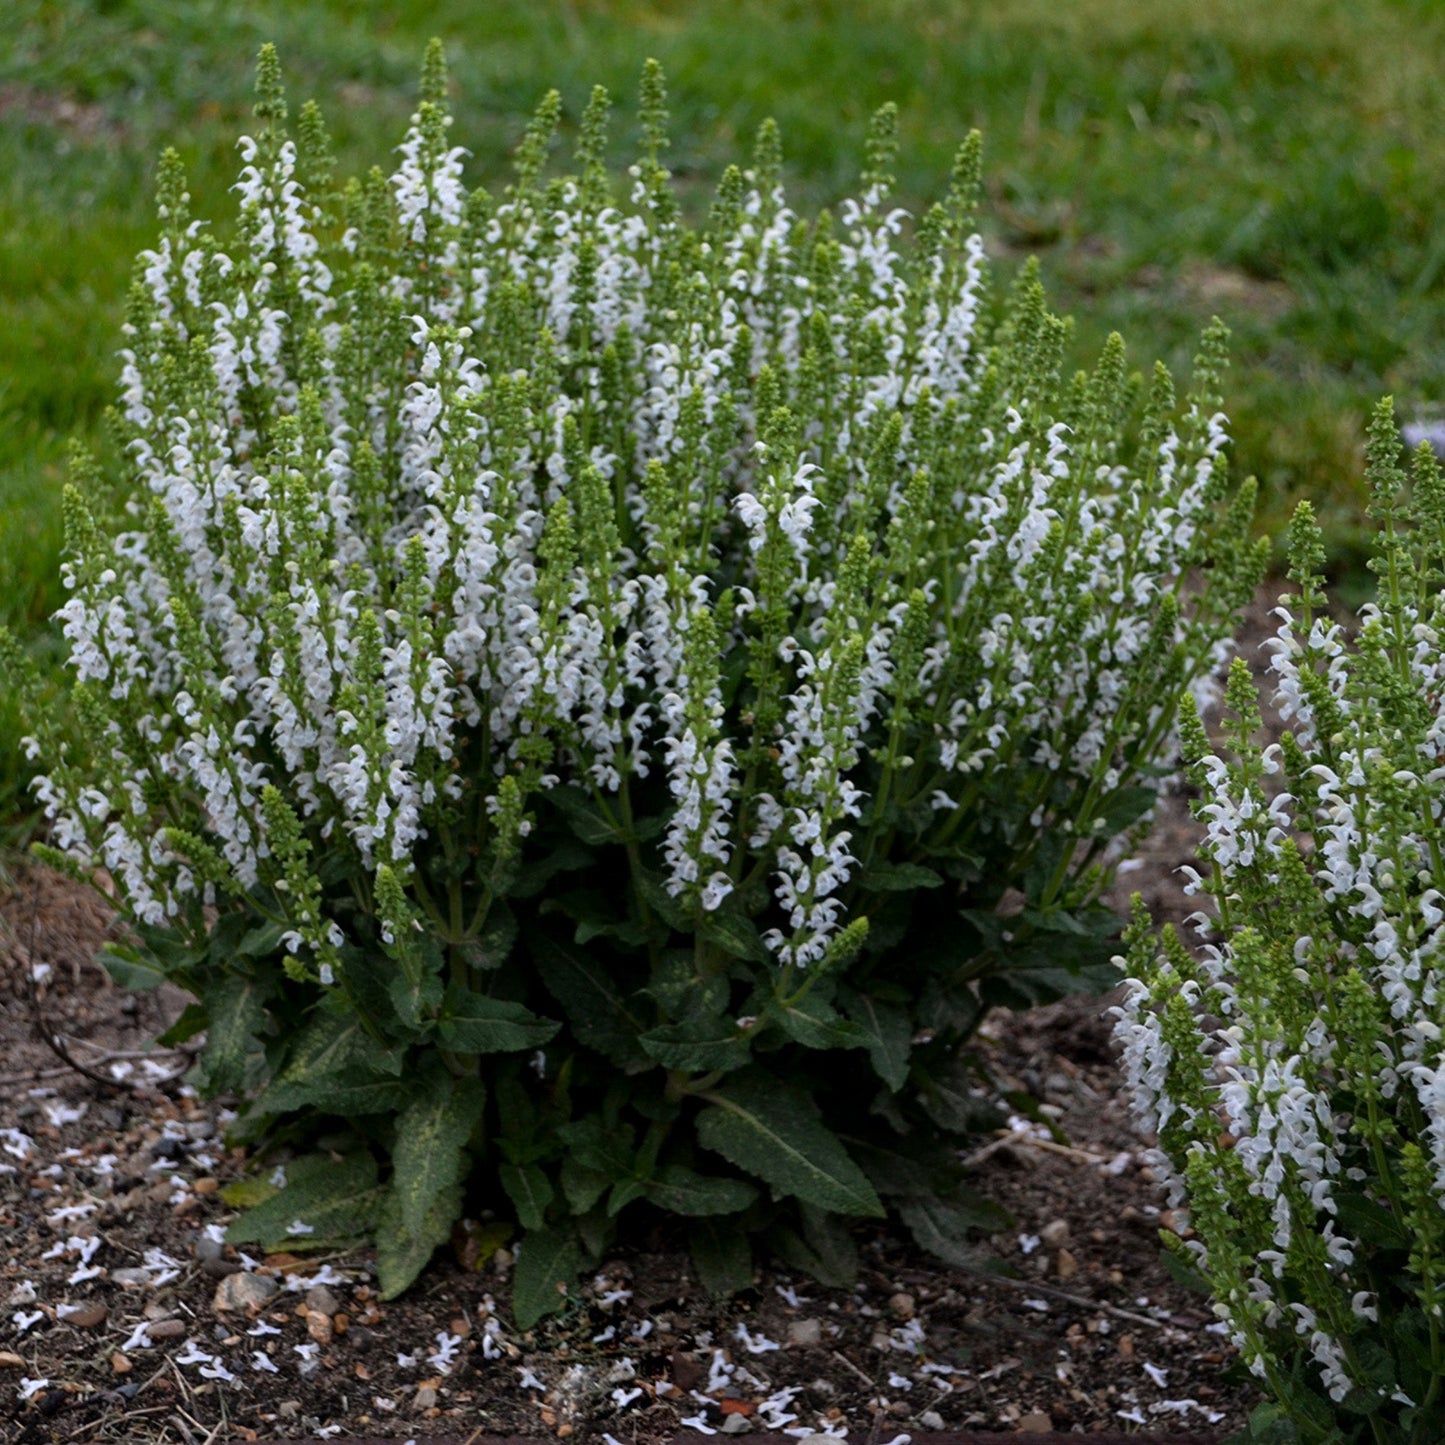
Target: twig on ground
column 844, row 1360
column 1035, row 1287
column 1048, row 1146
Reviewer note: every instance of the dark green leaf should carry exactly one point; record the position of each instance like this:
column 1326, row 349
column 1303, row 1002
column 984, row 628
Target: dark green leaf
column 235, row 1016
column 661, row 902
column 889, row 1035
column 547, row 1266
column 722, row 1254
column 1369, row 1221
column 130, row 968
column 191, row 1021
column 431, row 1135
column 493, row 946
column 580, row 983
column 582, row 1186
column 899, row 878
column 415, row 988
column 582, row 815
column 262, row 940
column 815, row 1024
column 330, row 1046
column 735, row 933
column 773, row 1131
column 942, row 1227
column 530, row 1192
column 594, row 1145
column 698, row 1046
column 338, row 1202
column 623, row 1193
column 353, row 1091
column 680, row 1190
column 403, row 1251
column 682, row 992
column 533, row 877
column 471, row 1023
column 824, row 1249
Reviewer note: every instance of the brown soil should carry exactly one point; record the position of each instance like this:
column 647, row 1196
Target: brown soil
column 111, row 1272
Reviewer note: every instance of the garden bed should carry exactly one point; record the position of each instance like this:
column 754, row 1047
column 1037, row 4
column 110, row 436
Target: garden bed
column 110, row 1204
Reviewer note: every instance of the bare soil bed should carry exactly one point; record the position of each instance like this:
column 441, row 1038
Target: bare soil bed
column 125, row 1317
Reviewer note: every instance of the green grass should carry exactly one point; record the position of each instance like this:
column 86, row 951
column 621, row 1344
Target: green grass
column 1276, row 164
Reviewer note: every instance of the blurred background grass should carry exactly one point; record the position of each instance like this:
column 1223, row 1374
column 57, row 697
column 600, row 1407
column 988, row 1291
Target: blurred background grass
column 1276, row 164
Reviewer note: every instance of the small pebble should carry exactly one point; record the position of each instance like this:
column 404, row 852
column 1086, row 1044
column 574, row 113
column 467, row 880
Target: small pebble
column 289, row 1409
column 318, row 1297
column 426, row 1397
column 805, row 1332
column 219, row 1268
column 120, row 1365
column 130, row 1278
column 1035, row 1423
column 166, row 1329
column 319, row 1327
column 736, row 1425
column 243, row 1291
column 207, row 1248
column 902, row 1306
column 87, row 1316
column 1055, row 1233
column 9, row 1360
column 1066, row 1265
column 931, row 1420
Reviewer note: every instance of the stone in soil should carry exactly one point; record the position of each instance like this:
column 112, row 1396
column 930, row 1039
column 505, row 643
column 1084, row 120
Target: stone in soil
column 243, row 1291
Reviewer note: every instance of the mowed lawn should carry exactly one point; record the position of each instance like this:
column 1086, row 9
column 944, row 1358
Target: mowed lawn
column 1279, row 164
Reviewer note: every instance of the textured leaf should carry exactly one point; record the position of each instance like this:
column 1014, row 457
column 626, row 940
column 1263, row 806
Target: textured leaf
column 235, row 1016
column 493, row 946
column 597, row 1013
column 736, row 934
column 191, row 1021
column 431, row 1136
column 547, row 1259
column 697, row 1046
column 952, row 1101
column 680, row 1190
column 661, row 902
column 684, row 994
column 722, row 1254
column 899, row 878
column 772, row 1131
column 338, row 1201
column 402, row 1252
column 530, row 1191
column 415, row 988
column 246, row 1192
column 943, row 1227
column 352, row 1091
column 474, row 1024
column 130, row 968
column 816, row 1024
column 330, row 1046
column 594, row 1145
column 262, row 940
column 582, row 815
column 582, row 1186
column 824, row 1249
column 889, row 1036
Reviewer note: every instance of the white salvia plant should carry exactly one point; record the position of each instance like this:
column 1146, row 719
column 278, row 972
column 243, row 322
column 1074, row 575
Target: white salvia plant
column 1292, row 1063
column 499, row 564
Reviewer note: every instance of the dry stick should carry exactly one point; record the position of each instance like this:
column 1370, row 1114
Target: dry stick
column 50, row 1037
column 844, row 1360
column 1034, row 1287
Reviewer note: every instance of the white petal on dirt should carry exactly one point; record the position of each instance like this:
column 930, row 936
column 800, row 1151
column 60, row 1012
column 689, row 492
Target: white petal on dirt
column 23, row 1321
column 1029, row 1242
column 139, row 1338
column 262, row 1328
column 29, row 1387
column 696, row 1422
column 1042, row 1305
column 263, row 1363
column 1160, row 1377
column 755, row 1344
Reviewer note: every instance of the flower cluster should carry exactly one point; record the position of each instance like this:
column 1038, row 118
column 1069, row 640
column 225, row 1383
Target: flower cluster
column 437, row 492
column 1292, row 1064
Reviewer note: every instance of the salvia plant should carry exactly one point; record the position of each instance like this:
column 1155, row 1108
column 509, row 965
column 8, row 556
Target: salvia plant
column 597, row 706
column 1292, row 1064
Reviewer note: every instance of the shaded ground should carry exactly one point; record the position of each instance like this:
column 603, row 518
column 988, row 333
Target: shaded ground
column 124, row 1317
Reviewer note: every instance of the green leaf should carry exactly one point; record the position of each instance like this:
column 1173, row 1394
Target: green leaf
column 581, row 1185
column 548, row 1263
column 235, row 1016
column 331, row 1046
column 353, row 1091
column 191, row 1021
column 824, row 1250
column 415, row 989
column 594, row 1145
column 431, row 1135
column 533, row 877
column 130, row 968
column 763, row 1126
column 683, row 993
column 402, row 1252
column 530, row 1192
column 493, row 946
column 899, row 878
column 580, row 983
column 1369, row 1221
column 889, row 1035
column 735, row 933
column 722, row 1254
column 262, row 940
column 680, row 1190
column 697, row 1046
column 661, row 902
column 472, row 1023
column 339, row 1202
column 951, row 1099
column 623, row 1193
column 582, row 815
column 942, row 1226
column 246, row 1192
column 815, row 1024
